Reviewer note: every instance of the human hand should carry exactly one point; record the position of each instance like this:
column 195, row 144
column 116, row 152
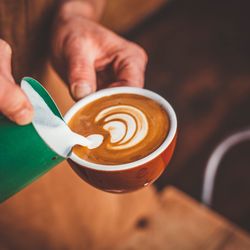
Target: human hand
column 13, row 102
column 86, row 54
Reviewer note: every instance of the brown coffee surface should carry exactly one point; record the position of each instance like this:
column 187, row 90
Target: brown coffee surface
column 114, row 112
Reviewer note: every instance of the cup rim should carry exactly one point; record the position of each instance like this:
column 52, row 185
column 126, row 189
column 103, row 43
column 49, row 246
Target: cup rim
column 125, row 90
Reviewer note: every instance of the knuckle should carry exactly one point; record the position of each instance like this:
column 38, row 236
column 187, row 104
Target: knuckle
column 75, row 73
column 75, row 42
column 4, row 46
column 79, row 70
column 77, row 67
column 10, row 102
column 143, row 54
column 16, row 102
column 4, row 88
column 139, row 52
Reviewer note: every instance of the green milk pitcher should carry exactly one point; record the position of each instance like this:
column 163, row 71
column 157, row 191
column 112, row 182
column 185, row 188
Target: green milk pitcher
column 24, row 155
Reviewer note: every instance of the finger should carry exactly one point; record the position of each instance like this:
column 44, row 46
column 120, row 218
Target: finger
column 5, row 62
column 129, row 67
column 13, row 102
column 81, row 70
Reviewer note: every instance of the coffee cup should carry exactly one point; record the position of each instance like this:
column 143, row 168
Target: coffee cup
column 120, row 178
column 28, row 152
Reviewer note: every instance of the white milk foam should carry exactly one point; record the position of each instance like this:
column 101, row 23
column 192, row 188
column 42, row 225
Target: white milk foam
column 53, row 130
column 126, row 124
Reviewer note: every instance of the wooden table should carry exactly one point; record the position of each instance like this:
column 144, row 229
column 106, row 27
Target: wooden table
column 143, row 220
column 179, row 222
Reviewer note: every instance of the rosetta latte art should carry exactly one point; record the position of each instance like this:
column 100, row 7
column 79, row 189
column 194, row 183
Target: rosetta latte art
column 132, row 126
column 126, row 125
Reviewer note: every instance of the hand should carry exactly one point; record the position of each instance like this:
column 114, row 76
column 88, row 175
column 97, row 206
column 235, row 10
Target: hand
column 13, row 102
column 85, row 54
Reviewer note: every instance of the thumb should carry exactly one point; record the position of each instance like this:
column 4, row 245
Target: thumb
column 81, row 72
column 13, row 102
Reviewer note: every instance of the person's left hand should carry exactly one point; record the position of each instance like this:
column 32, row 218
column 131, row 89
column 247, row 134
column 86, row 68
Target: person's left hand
column 86, row 55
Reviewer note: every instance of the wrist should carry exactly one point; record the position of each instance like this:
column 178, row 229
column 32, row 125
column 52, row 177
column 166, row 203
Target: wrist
column 76, row 8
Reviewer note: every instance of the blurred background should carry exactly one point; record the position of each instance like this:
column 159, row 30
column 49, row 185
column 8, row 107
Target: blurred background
column 199, row 60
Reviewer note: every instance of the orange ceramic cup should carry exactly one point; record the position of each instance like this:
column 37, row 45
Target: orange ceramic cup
column 130, row 176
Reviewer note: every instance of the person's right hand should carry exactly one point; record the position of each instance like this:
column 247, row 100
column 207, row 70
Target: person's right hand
column 14, row 104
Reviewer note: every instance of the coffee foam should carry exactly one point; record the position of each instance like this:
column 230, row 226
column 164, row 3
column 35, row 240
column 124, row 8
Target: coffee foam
column 127, row 126
column 124, row 119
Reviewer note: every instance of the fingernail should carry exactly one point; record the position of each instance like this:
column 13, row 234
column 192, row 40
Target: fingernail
column 23, row 117
column 81, row 90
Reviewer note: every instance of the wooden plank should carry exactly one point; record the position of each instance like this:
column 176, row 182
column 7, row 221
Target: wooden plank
column 182, row 223
column 60, row 211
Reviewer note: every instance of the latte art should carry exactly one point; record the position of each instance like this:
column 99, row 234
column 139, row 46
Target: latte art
column 132, row 126
column 126, row 125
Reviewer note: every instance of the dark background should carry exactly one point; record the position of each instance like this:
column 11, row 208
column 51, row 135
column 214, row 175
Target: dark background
column 199, row 60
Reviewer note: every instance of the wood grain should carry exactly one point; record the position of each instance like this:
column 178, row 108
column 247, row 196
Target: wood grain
column 182, row 223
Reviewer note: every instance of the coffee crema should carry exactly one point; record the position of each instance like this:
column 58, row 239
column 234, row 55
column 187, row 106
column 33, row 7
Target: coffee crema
column 133, row 126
